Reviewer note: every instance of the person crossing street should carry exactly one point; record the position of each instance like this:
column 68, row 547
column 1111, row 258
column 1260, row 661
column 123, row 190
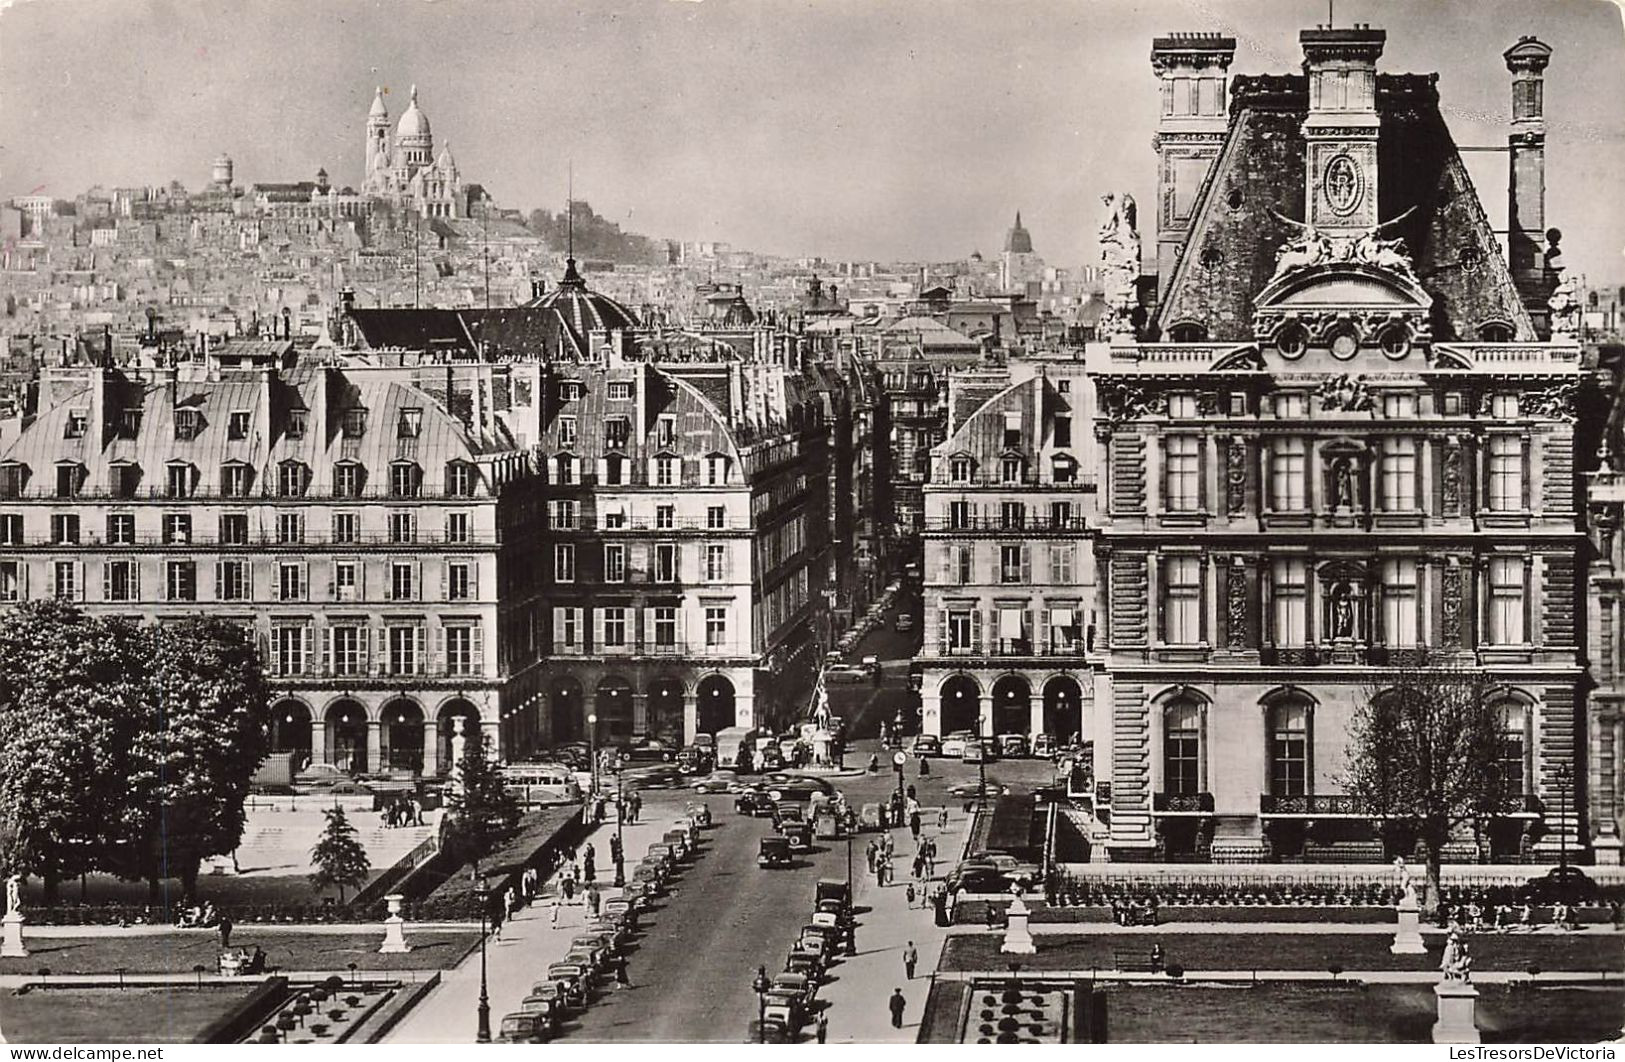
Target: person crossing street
column 910, row 957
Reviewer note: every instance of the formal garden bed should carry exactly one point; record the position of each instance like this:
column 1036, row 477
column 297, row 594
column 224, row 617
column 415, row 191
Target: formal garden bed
column 138, row 1015
column 179, row 951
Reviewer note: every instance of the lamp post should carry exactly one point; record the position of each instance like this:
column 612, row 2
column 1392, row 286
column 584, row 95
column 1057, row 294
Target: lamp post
column 761, row 984
column 1564, row 777
column 899, row 758
column 620, row 817
column 592, row 749
column 483, row 1033
column 981, row 767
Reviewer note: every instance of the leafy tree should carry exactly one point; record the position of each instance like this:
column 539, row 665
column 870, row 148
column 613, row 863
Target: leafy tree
column 206, row 715
column 1424, row 753
column 483, row 813
column 70, row 694
column 339, row 859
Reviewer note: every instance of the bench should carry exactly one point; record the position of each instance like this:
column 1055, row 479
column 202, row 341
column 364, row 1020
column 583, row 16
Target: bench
column 1132, row 960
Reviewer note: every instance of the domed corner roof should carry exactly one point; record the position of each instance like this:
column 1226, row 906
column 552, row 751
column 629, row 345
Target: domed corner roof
column 413, row 121
column 379, row 110
column 581, row 309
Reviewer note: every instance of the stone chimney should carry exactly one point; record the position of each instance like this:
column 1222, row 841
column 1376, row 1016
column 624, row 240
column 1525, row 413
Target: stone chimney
column 1526, row 184
column 1192, row 69
column 1340, row 173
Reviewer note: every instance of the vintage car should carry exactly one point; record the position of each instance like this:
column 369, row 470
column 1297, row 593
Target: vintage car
column 829, row 890
column 678, row 840
column 827, row 825
column 771, row 1029
column 786, row 1007
column 799, row 834
column 953, row 746
column 623, row 908
column 1045, row 746
column 652, row 877
column 927, row 745
column 613, row 932
column 575, row 979
column 774, row 852
column 699, row 814
column 869, row 817
column 786, row 812
column 694, row 759
column 770, row 759
column 555, row 991
column 796, row 984
column 805, row 962
column 754, row 802
column 1013, row 746
column 596, row 960
column 667, row 851
column 525, row 1028
column 595, row 948
column 549, row 1005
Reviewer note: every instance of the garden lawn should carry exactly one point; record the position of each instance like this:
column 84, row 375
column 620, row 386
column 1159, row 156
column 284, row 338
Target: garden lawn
column 172, row 1014
column 179, row 951
column 1290, row 951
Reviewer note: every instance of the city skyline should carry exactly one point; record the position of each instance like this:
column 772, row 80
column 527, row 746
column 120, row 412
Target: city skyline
column 913, row 133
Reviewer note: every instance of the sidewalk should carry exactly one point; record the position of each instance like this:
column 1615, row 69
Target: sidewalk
column 520, row 956
column 863, row 983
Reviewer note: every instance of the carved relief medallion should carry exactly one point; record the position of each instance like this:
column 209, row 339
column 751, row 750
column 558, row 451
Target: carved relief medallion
column 1343, row 185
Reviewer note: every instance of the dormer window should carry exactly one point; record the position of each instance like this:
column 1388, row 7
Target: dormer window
column 571, row 392
column 122, row 478
column 959, row 470
column 1064, row 470
column 617, row 433
column 1495, row 332
column 666, row 431
column 666, row 471
column 292, row 478
column 78, row 423
column 411, row 423
column 1012, row 429
column 404, row 479
column 1010, row 469
column 355, row 423
column 564, row 469
column 237, row 425
column 129, row 423
column 614, row 470
column 349, row 477
column 188, row 422
column 567, row 431
column 234, row 479
column 716, row 470
column 460, row 479
column 620, row 391
column 298, row 420
column 11, row 480
column 69, row 476
column 179, row 483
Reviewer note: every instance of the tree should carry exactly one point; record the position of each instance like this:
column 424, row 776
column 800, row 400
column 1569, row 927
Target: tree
column 339, row 858
column 207, row 729
column 1425, row 748
column 483, row 813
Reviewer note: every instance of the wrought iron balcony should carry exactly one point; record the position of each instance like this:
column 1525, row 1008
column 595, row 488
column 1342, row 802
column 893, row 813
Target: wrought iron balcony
column 1310, row 804
column 1182, row 803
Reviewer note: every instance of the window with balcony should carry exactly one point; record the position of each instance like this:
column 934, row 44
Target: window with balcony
column 404, row 479
column 1506, row 601
column 461, row 479
column 615, row 633
column 405, row 649
column 1289, row 746
column 961, row 631
column 291, row 479
column 403, row 527
column 665, row 627
column 69, row 476
column 349, row 649
column 1063, row 630
column 233, row 529
column 459, row 527
column 959, row 515
column 1182, row 748
column 1400, row 613
column 11, row 529
column 716, row 518
column 1060, row 514
column 65, row 582
column 231, row 580
column 463, row 655
column 347, row 527
column 346, row 581
column 1013, row 636
column 1505, row 473
column 119, row 581
column 235, row 480
column 124, row 477
column 1012, row 564
column 1062, row 563
column 1182, row 600
column 65, row 529
column 180, row 580
column 666, row 563
column 716, row 563
column 460, row 581
column 290, row 528
column 614, row 519
column 615, row 564
column 959, row 470
column 716, row 626
column 962, row 559
column 1182, row 474
column 290, row 581
column 238, row 423
column 1398, row 475
column 348, row 479
column 11, row 580
column 177, row 529
column 665, row 517
column 564, row 514
column 402, row 581
column 1012, row 515
column 1289, row 492
column 180, row 481
column 289, row 644
column 564, row 562
column 1289, row 602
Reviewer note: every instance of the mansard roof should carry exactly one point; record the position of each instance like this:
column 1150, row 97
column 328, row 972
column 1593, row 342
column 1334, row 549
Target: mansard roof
column 1230, row 254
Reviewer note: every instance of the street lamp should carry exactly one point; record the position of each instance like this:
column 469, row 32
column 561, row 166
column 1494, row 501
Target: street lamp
column 592, row 748
column 981, row 767
column 483, row 1034
column 899, row 758
column 1564, row 777
column 761, row 984
column 620, row 817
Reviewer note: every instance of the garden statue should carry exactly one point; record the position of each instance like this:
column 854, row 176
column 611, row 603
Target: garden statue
column 1456, row 965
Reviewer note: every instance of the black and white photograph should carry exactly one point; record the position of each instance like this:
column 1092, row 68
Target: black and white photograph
column 859, row 522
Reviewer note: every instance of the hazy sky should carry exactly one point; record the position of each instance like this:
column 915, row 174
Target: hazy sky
column 849, row 128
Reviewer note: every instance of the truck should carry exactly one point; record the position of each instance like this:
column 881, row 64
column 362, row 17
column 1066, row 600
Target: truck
column 730, row 742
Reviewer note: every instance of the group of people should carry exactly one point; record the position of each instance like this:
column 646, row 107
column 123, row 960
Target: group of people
column 1507, row 917
column 1134, row 911
column 403, row 811
column 199, row 917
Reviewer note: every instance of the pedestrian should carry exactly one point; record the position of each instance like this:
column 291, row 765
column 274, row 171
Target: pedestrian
column 225, row 932
column 592, row 900
column 914, row 824
column 912, row 893
column 910, row 957
column 589, row 871
column 823, row 1026
column 992, row 917
column 568, row 884
column 942, row 818
column 558, row 902
column 621, row 977
column 897, row 1003
column 872, row 852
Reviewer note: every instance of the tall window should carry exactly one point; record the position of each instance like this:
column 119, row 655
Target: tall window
column 288, row 646
column 1182, row 474
column 347, row 527
column 1289, row 748
column 11, row 581
column 11, row 529
column 716, row 471
column 1399, row 604
column 1506, row 601
column 1063, row 630
column 964, row 559
column 615, row 564
column 234, row 480
column 665, row 626
column 665, row 471
column 346, row 583
column 461, row 649
column 290, row 581
column 1289, row 476
column 458, row 527
column 1182, row 749
column 1061, row 557
column 460, row 479
column 567, row 431
column 665, row 517
column 459, row 581
column 233, row 529
column 120, row 530
column 232, row 580
column 290, row 479
column 403, row 526
column 405, row 648
column 177, row 528
column 1060, row 515
column 716, row 563
column 1013, row 630
column 615, row 627
column 347, row 480
column 65, row 580
column 959, row 470
column 959, row 518
column 290, row 528
column 566, row 514
column 1182, row 600
column 1509, row 767
column 119, row 581
column 348, row 649
column 1012, row 515
column 404, row 478
column 1398, row 474
column 960, row 630
column 1063, row 430
column 180, row 481
column 1289, row 602
column 716, row 517
column 125, row 477
column 564, row 562
column 180, row 580
column 1010, row 558
column 716, row 626
column 1506, row 473
column 1010, row 470
column 564, row 469
column 666, row 563
column 68, row 478
column 65, row 529
column 617, row 433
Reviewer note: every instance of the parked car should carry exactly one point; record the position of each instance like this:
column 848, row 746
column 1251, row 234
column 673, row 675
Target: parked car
column 979, row 879
column 1565, row 884
column 797, row 985
column 905, row 621
column 969, row 790
column 1013, row 746
column 754, row 802
column 1006, row 864
column 693, row 759
column 575, row 979
column 773, row 852
column 524, row 1029
column 846, row 673
column 927, row 745
column 799, row 834
column 770, row 759
column 953, row 746
column 1045, row 746
column 650, row 750
column 975, row 752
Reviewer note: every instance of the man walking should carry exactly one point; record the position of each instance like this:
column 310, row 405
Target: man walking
column 823, row 1026
column 225, row 931
column 897, row 1003
column 910, row 957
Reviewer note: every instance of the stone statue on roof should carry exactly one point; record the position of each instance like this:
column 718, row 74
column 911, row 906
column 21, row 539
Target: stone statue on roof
column 1120, row 261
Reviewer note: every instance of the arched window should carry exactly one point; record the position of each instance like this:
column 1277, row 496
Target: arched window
column 1510, row 765
column 1187, row 333
column 1182, row 748
column 1495, row 332
column 1289, row 747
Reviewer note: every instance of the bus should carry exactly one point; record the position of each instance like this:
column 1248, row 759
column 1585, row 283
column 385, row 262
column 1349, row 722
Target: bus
column 533, row 784
column 730, row 741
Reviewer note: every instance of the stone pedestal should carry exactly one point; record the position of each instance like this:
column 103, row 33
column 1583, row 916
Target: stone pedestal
column 11, row 936
column 1018, row 939
column 1408, row 935
column 1458, row 1010
column 394, row 927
